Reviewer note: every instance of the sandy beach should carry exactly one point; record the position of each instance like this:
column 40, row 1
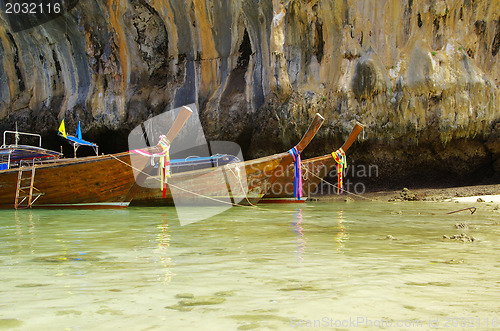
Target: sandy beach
column 462, row 194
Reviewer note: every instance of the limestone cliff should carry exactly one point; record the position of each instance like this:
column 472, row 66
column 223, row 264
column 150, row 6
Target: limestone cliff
column 421, row 74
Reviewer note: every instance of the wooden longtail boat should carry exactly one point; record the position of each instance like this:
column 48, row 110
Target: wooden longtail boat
column 89, row 182
column 98, row 182
column 313, row 171
column 234, row 183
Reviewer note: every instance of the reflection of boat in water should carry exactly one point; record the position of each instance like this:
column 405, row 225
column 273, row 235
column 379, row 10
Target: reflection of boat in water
column 37, row 177
column 233, row 183
column 163, row 238
column 313, row 171
column 298, row 229
column 341, row 235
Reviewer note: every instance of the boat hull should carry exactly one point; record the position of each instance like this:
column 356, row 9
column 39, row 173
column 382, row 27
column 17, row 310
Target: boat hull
column 90, row 182
column 241, row 183
column 313, row 171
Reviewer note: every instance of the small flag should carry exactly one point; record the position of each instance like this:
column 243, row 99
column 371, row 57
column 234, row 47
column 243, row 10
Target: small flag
column 79, row 132
column 62, row 129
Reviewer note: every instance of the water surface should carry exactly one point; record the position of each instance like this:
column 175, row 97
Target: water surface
column 313, row 266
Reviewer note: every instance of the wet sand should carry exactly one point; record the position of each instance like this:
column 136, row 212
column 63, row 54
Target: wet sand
column 466, row 194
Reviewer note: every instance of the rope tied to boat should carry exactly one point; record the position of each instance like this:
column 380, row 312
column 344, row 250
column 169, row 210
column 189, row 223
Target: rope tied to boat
column 164, row 156
column 297, row 173
column 335, row 186
column 339, row 157
column 237, row 175
column 188, row 191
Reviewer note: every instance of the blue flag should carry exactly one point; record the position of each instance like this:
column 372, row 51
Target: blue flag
column 79, row 131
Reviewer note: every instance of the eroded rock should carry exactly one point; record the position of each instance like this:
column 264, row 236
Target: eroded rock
column 421, row 76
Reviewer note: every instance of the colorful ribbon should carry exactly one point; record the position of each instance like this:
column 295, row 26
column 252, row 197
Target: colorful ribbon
column 339, row 157
column 164, row 163
column 164, row 156
column 297, row 173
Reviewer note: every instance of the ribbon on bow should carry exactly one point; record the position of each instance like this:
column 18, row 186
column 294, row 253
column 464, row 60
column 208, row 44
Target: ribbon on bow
column 164, row 156
column 297, row 173
column 339, row 157
column 164, row 163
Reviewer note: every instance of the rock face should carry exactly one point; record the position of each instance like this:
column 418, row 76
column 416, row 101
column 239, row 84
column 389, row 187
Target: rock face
column 420, row 74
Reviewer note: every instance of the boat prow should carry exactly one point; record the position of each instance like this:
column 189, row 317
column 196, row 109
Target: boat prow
column 313, row 172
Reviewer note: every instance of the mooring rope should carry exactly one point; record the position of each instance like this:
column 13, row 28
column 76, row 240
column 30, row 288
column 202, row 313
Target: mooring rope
column 182, row 189
column 471, row 209
column 241, row 184
column 335, row 186
column 252, row 206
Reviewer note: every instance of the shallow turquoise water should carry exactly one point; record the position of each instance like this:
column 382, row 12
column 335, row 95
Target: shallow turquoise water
column 314, row 266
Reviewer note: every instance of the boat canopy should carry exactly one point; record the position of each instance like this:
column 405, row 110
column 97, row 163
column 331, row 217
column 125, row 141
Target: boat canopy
column 13, row 155
column 24, row 152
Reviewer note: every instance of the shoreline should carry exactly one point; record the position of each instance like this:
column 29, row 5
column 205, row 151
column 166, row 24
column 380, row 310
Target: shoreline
column 466, row 194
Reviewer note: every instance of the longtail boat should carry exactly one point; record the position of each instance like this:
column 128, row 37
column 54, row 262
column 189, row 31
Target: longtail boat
column 41, row 179
column 233, row 183
column 313, row 171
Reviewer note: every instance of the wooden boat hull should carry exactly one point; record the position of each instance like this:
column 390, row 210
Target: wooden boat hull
column 234, row 183
column 213, row 186
column 90, row 182
column 313, row 171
